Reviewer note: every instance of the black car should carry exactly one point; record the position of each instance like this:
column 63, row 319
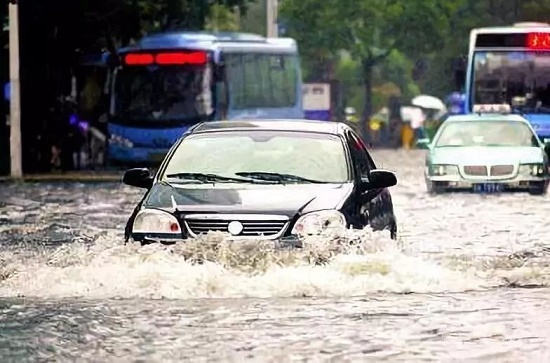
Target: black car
column 265, row 179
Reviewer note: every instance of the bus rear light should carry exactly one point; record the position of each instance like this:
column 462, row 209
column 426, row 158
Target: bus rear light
column 138, row 59
column 196, row 58
column 171, row 58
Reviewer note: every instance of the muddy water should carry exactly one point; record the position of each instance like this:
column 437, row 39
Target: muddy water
column 465, row 281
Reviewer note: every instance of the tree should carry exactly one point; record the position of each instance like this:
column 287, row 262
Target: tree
column 255, row 19
column 370, row 30
column 311, row 24
column 191, row 14
column 222, row 18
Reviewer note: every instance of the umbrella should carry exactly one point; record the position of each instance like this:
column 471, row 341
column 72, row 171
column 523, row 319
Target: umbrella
column 429, row 102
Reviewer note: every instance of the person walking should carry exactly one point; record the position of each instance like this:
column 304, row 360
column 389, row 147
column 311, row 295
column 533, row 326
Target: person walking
column 418, row 118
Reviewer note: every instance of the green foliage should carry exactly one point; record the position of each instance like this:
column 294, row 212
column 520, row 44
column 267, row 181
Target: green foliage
column 369, row 29
column 397, row 69
column 376, row 33
column 313, row 25
column 221, row 18
column 157, row 15
column 348, row 73
column 254, row 21
column 392, row 77
column 386, row 38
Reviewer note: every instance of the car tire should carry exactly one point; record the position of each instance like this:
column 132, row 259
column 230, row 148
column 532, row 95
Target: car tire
column 435, row 188
column 393, row 231
column 538, row 188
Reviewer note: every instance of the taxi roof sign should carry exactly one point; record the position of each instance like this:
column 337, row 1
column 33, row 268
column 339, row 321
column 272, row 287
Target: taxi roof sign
column 492, row 108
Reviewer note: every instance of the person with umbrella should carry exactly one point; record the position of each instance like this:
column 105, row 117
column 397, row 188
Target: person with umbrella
column 418, row 117
column 426, row 105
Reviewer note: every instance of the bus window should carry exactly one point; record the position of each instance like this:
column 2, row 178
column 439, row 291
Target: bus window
column 169, row 93
column 262, row 80
column 502, row 76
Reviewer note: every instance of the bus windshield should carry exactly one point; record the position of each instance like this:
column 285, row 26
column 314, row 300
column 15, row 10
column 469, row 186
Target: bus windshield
column 518, row 78
column 164, row 93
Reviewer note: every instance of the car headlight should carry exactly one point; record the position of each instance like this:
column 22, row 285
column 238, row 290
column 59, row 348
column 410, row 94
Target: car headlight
column 319, row 222
column 444, row 169
column 156, row 221
column 531, row 169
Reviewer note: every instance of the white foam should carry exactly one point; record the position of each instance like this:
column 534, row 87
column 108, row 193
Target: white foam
column 212, row 267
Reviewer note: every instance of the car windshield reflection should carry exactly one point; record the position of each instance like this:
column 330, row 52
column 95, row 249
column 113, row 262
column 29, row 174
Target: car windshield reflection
column 269, row 156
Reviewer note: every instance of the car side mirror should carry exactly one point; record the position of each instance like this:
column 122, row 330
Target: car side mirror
column 378, row 179
column 138, row 177
column 423, row 143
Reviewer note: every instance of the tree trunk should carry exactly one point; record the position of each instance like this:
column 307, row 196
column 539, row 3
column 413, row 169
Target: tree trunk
column 367, row 66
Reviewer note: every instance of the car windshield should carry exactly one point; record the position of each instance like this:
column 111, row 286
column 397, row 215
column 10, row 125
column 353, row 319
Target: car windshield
column 306, row 156
column 517, row 78
column 182, row 93
column 486, row 133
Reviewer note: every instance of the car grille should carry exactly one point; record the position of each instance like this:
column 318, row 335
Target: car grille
column 475, row 170
column 501, row 170
column 253, row 225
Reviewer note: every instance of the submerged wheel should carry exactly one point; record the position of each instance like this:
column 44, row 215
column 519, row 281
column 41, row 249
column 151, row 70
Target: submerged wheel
column 538, row 188
column 393, row 231
column 434, row 187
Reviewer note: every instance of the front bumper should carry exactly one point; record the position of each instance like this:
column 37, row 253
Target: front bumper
column 457, row 182
column 291, row 241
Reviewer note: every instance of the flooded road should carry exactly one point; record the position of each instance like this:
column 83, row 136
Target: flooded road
column 466, row 280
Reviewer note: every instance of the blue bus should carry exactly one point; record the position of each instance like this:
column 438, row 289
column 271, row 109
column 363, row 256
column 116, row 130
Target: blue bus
column 509, row 69
column 167, row 82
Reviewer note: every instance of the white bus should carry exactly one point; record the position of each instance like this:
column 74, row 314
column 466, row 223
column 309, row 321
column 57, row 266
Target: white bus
column 509, row 68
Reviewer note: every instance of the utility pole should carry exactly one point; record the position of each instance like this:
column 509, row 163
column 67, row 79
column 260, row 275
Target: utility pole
column 272, row 15
column 16, row 164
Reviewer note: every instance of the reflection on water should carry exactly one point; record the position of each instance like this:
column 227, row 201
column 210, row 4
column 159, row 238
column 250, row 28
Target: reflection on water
column 72, row 289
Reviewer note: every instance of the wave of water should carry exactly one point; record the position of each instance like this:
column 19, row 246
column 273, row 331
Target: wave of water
column 64, row 241
column 356, row 264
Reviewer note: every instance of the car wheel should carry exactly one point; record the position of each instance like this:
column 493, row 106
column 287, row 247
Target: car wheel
column 393, row 231
column 538, row 188
column 435, row 188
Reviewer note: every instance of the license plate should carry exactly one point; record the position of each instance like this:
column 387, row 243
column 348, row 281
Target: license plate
column 157, row 157
column 488, row 188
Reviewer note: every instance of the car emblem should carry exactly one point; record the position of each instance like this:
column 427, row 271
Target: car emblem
column 235, row 228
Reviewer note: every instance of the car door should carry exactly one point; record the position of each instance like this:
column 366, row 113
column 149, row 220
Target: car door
column 373, row 207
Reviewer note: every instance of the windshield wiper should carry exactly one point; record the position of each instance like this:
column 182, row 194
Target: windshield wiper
column 210, row 178
column 277, row 177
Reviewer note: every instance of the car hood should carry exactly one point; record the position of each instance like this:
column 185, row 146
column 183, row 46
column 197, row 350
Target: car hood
column 487, row 155
column 248, row 198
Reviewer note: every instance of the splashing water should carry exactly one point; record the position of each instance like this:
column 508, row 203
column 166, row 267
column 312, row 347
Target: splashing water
column 360, row 263
column 61, row 248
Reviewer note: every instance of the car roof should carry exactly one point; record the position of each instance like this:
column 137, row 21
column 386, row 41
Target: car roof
column 299, row 125
column 486, row 117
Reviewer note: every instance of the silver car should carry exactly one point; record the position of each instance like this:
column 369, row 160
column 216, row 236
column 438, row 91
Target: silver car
column 487, row 153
